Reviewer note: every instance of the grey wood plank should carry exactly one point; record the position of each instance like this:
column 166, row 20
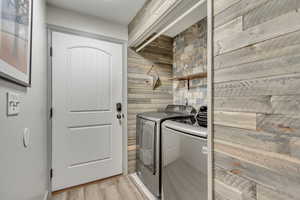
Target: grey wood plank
column 140, row 17
column 144, row 70
column 232, row 27
column 152, row 96
column 258, row 173
column 286, row 45
column 288, row 23
column 282, row 164
column 149, row 90
column 286, row 105
column 265, row 68
column 221, row 5
column 277, row 85
column 219, row 196
column 157, row 105
column 264, row 193
column 257, row 104
column 254, row 139
column 136, row 101
column 158, row 57
column 274, row 9
column 294, row 147
column 280, row 124
column 233, row 186
column 140, row 82
column 235, row 10
column 235, row 119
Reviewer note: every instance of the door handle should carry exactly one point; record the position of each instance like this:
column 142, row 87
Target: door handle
column 119, row 107
column 119, row 110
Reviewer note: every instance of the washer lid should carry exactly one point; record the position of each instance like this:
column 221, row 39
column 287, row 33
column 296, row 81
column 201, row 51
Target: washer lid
column 186, row 128
column 157, row 116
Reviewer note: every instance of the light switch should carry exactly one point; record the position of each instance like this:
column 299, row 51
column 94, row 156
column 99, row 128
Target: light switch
column 13, row 104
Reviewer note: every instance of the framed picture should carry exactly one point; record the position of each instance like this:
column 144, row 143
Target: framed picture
column 15, row 40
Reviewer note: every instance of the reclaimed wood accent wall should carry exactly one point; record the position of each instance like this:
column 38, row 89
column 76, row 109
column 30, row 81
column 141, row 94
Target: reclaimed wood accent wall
column 141, row 97
column 257, row 99
column 142, row 16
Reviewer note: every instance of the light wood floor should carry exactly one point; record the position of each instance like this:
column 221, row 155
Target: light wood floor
column 115, row 188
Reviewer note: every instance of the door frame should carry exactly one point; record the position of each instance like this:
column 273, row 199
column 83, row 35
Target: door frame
column 210, row 86
column 124, row 43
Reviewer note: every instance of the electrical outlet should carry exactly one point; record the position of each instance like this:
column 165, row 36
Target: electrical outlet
column 13, row 104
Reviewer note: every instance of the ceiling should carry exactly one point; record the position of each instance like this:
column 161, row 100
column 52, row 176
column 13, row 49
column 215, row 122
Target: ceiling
column 118, row 11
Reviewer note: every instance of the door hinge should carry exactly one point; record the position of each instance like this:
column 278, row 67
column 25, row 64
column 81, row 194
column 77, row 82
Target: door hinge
column 51, row 51
column 51, row 173
column 51, row 113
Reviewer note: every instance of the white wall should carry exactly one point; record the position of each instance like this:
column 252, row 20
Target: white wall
column 73, row 20
column 23, row 172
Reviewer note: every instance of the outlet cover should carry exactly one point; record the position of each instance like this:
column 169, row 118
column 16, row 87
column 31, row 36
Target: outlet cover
column 13, row 104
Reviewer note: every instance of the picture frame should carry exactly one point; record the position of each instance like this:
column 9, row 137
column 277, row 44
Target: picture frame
column 16, row 41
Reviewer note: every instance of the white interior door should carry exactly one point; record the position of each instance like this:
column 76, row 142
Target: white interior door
column 86, row 85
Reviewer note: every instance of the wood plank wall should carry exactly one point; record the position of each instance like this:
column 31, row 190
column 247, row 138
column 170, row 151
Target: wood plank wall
column 257, row 99
column 144, row 14
column 141, row 97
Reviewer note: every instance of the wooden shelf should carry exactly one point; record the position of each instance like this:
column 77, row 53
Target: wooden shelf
column 190, row 77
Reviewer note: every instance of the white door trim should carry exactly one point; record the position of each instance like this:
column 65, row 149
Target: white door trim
column 53, row 28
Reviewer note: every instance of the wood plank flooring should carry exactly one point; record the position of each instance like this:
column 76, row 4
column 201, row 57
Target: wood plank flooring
column 115, row 188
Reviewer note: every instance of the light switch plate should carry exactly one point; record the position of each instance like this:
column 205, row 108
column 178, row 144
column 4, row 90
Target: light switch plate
column 13, row 104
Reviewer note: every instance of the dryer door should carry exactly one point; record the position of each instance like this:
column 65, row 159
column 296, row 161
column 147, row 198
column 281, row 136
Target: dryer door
column 146, row 135
column 146, row 156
